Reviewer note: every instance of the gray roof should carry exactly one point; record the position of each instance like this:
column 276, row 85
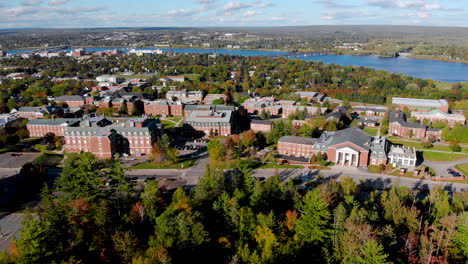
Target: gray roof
column 261, row 122
column 105, row 131
column 33, row 109
column 209, row 107
column 298, row 140
column 419, row 102
column 399, row 117
column 54, row 122
column 68, row 98
column 209, row 117
column 353, row 135
column 377, row 109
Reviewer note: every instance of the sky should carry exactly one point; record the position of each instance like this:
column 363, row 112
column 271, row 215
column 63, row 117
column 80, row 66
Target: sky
column 216, row 13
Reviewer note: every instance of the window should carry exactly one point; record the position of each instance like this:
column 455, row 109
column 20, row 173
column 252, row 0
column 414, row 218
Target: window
column 373, row 161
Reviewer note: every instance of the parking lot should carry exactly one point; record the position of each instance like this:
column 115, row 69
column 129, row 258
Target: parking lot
column 189, row 147
column 16, row 160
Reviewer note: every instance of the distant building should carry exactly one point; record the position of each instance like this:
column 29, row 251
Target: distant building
column 437, row 116
column 264, row 126
column 311, row 110
column 185, row 95
column 71, row 100
column 78, row 53
column 188, row 109
column 211, row 122
column 371, row 110
column 286, row 102
column 421, row 105
column 32, row 112
column 163, row 108
column 58, row 127
column 172, row 79
column 108, row 79
column 210, row 98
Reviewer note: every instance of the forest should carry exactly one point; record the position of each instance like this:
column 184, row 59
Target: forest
column 94, row 215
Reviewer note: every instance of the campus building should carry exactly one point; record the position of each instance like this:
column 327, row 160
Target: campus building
column 398, row 126
column 164, row 108
column 134, row 136
column 210, row 122
column 71, row 100
column 58, row 127
column 421, row 105
column 264, row 126
column 439, row 116
column 185, row 95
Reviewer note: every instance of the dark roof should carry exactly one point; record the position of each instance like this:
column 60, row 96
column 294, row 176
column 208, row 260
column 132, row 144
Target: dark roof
column 291, row 158
column 353, row 135
column 261, row 122
column 399, row 117
column 54, row 122
column 69, row 98
column 298, row 140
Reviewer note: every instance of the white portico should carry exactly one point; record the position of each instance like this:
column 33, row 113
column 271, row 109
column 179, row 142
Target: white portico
column 347, row 157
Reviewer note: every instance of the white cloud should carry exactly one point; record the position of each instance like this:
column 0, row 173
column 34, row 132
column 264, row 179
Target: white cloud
column 260, row 4
column 234, row 6
column 58, row 2
column 31, row 2
column 343, row 14
column 206, row 1
column 188, row 12
column 418, row 4
column 250, row 13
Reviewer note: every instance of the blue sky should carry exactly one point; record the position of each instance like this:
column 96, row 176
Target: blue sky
column 161, row 13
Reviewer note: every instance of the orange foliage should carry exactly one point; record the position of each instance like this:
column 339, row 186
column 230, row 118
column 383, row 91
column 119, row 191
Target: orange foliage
column 291, row 217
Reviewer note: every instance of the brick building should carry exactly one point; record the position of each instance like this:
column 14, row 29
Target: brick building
column 439, row 116
column 352, row 147
column 311, row 110
column 71, row 100
column 296, row 146
column 398, row 126
column 421, row 105
column 164, row 108
column 210, row 122
column 41, row 127
column 188, row 109
column 371, row 110
column 185, row 95
column 264, row 126
column 210, row 98
column 32, row 112
column 134, row 136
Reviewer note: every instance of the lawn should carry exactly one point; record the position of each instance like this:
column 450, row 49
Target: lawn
column 441, row 156
column 49, row 159
column 419, row 146
column 182, row 164
column 371, row 130
column 374, row 168
column 463, row 168
column 167, row 124
column 191, row 76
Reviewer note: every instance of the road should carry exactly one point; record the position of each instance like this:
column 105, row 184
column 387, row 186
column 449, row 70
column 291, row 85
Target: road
column 10, row 224
column 441, row 167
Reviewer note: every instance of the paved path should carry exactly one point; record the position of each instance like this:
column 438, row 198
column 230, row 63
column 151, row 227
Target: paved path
column 441, row 167
column 10, row 225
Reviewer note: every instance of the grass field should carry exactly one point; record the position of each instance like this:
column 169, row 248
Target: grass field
column 440, row 156
column 167, row 124
column 463, row 168
column 371, row 130
column 191, row 76
column 182, row 164
column 419, row 146
column 279, row 166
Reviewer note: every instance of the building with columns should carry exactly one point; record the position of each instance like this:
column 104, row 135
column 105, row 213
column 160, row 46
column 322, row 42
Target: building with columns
column 402, row 156
column 352, row 147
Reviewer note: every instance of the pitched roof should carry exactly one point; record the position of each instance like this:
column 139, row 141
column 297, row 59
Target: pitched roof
column 298, row 140
column 69, row 98
column 54, row 122
column 261, row 122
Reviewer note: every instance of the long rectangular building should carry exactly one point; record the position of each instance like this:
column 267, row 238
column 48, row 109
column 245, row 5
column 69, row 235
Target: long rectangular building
column 58, row 127
column 211, row 122
column 422, row 105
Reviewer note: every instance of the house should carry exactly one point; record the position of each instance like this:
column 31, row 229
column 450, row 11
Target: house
column 264, row 126
column 58, row 127
column 210, row 122
column 352, row 147
column 421, row 105
column 368, row 121
column 439, row 116
column 71, row 100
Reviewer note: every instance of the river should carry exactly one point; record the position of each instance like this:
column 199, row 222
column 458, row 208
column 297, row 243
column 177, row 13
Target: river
column 420, row 68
